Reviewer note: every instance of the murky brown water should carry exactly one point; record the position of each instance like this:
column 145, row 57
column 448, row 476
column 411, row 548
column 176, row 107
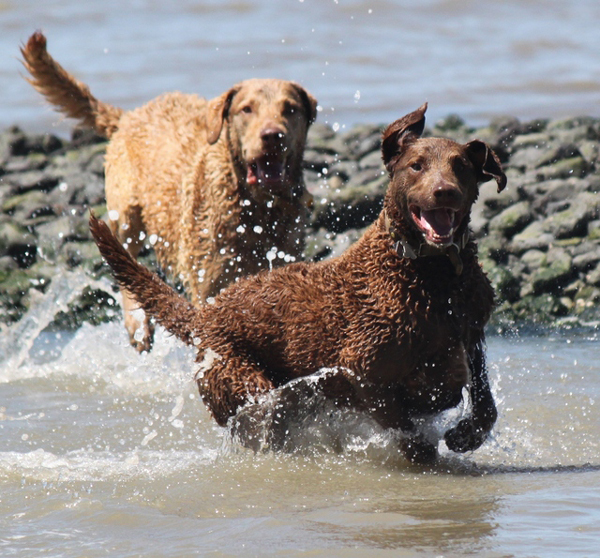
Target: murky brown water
column 105, row 452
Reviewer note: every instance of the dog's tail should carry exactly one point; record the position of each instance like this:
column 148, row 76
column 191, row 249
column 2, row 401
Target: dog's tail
column 154, row 296
column 72, row 97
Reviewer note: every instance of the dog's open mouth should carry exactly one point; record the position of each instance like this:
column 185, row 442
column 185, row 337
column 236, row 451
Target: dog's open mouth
column 268, row 171
column 437, row 225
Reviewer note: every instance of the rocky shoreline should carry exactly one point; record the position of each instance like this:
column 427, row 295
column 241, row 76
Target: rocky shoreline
column 539, row 240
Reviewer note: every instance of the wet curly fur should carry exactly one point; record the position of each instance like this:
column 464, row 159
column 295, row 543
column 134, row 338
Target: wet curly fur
column 406, row 333
column 213, row 185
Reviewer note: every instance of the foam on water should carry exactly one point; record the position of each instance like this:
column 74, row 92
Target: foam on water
column 86, row 466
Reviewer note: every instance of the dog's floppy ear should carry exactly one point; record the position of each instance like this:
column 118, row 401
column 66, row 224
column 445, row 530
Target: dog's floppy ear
column 399, row 133
column 486, row 163
column 309, row 102
column 216, row 112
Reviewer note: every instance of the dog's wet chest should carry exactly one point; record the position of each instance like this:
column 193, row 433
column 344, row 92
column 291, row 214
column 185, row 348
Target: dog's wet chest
column 428, row 351
column 422, row 358
column 270, row 231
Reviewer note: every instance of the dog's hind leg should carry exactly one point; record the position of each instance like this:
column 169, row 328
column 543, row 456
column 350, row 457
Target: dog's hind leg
column 146, row 289
column 138, row 324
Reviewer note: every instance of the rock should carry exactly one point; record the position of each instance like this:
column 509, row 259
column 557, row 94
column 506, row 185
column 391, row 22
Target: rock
column 573, row 221
column 506, row 284
column 564, row 168
column 587, row 297
column 17, row 243
column 593, row 277
column 495, row 202
column 534, row 236
column 530, row 156
column 534, row 259
column 494, row 247
column 587, row 259
column 545, row 194
column 353, row 205
column 512, row 220
column 593, row 230
column 554, row 274
column 84, row 254
column 29, row 179
column 539, row 240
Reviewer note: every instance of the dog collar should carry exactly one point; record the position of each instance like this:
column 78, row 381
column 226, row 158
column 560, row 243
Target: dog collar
column 405, row 250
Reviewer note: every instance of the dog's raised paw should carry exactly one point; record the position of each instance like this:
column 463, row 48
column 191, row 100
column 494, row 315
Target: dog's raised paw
column 465, row 436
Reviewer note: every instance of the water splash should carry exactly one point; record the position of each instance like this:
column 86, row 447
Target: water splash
column 17, row 341
column 298, row 418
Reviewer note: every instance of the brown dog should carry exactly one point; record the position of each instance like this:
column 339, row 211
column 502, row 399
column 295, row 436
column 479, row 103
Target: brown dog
column 214, row 186
column 401, row 313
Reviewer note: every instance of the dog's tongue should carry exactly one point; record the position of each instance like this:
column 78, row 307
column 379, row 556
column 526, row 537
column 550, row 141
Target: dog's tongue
column 266, row 170
column 438, row 221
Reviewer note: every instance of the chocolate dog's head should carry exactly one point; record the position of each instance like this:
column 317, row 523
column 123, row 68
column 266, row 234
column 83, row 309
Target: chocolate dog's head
column 434, row 181
column 265, row 122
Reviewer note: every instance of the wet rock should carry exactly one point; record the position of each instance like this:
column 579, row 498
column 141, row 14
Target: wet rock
column 494, row 247
column 573, row 220
column 94, row 306
column 533, row 237
column 586, row 298
column 565, row 168
column 539, row 240
column 534, row 259
column 553, row 275
column 29, row 179
column 587, row 258
column 85, row 254
column 512, row 220
column 546, row 194
column 506, row 284
column 352, row 205
column 17, row 242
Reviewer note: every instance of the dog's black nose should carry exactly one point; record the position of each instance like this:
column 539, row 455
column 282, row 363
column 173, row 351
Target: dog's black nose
column 446, row 194
column 272, row 136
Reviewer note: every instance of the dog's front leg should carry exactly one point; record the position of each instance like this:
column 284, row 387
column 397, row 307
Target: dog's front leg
column 472, row 431
column 387, row 405
column 227, row 383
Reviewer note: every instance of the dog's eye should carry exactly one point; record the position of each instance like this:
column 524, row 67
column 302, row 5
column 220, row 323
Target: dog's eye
column 289, row 109
column 459, row 165
column 247, row 109
column 416, row 167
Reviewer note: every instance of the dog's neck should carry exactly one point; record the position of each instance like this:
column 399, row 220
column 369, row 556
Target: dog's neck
column 406, row 250
column 290, row 204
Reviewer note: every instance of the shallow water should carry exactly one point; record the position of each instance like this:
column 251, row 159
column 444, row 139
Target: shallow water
column 105, row 452
column 365, row 60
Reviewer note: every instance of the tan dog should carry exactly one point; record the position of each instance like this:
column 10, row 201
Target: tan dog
column 214, row 186
column 401, row 313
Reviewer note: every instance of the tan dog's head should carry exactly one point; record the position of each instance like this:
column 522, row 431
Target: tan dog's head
column 265, row 122
column 434, row 181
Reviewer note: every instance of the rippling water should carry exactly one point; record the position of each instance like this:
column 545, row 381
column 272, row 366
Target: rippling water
column 365, row 60
column 105, row 452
